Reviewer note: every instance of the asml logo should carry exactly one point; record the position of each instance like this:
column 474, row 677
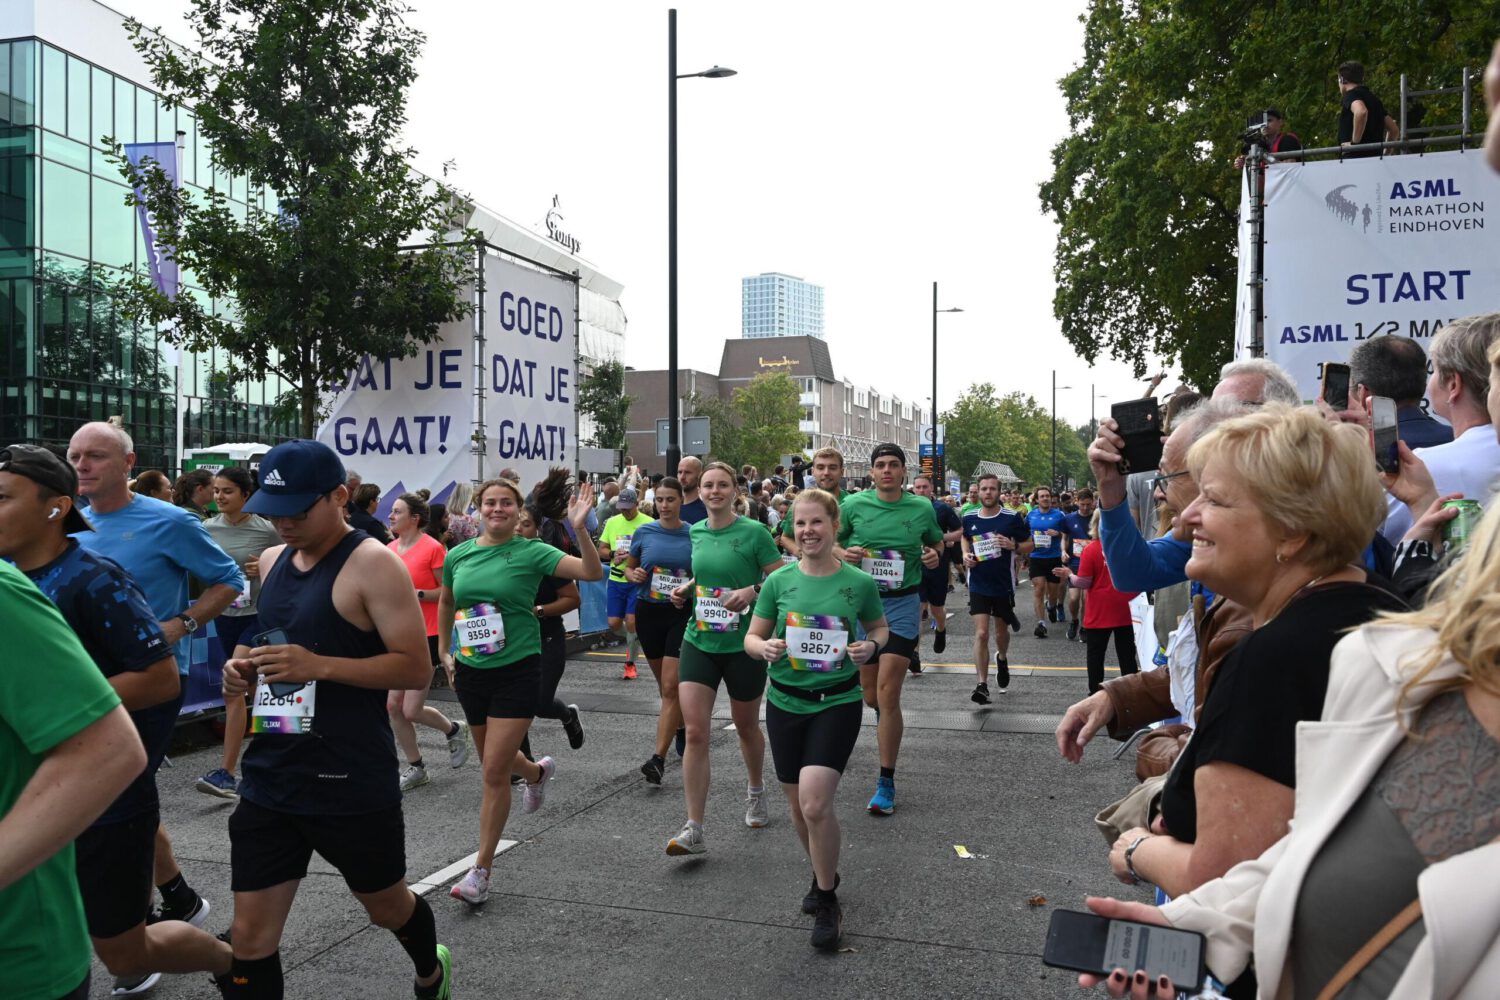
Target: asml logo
column 1441, row 188
column 273, row 478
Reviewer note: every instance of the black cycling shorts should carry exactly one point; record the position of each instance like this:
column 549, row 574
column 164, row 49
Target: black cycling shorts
column 114, row 864
column 659, row 628
column 509, row 692
column 1044, row 567
column 824, row 738
column 985, row 604
column 267, row 847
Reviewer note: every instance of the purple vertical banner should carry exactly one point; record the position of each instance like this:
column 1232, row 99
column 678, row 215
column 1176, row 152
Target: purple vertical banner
column 164, row 272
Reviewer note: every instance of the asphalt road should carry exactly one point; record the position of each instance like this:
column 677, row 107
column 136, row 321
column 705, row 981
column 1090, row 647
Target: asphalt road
column 587, row 904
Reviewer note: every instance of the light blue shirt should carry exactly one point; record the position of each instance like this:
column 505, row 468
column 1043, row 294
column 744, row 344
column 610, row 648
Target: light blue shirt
column 160, row 546
column 1134, row 563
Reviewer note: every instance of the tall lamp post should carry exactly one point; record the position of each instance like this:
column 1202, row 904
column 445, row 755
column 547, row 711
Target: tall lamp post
column 934, row 419
column 674, row 450
column 1053, row 484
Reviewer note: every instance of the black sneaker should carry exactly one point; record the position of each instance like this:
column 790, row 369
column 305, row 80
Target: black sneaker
column 915, row 663
column 939, row 641
column 681, row 742
column 1072, row 631
column 810, row 901
column 1002, row 673
column 197, row 914
column 828, row 924
column 653, row 769
column 1040, row 631
column 981, row 695
column 573, row 726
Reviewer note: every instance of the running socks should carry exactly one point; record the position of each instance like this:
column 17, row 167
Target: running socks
column 633, row 650
column 454, row 731
column 256, row 978
column 888, row 772
column 178, row 898
column 419, row 937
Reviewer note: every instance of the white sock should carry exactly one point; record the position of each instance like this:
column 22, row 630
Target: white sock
column 635, row 647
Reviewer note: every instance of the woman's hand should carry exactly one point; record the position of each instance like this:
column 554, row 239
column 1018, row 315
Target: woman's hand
column 861, row 651
column 681, row 594
column 772, row 650
column 580, row 507
column 1131, row 983
column 447, row 660
column 1117, row 863
column 738, row 600
column 636, row 575
column 1430, row 525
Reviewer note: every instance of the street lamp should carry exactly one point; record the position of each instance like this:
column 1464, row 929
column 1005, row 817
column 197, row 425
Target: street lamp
column 934, row 417
column 1055, row 387
column 1093, row 422
column 674, row 452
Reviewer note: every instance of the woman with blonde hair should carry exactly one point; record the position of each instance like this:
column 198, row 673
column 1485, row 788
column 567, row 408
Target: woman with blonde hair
column 462, row 525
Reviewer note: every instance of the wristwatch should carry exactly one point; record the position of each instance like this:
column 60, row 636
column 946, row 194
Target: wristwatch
column 1130, row 857
column 189, row 623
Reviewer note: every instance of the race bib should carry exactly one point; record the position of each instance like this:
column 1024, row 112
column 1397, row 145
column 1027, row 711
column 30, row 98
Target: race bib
column 664, row 581
column 284, row 709
column 787, row 559
column 710, row 614
column 888, row 568
column 816, row 642
column 1079, row 544
column 622, row 545
column 243, row 600
column 1041, row 540
column 987, row 546
column 479, row 631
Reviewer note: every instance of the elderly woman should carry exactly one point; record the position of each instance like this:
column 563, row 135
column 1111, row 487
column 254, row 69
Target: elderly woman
column 1385, row 886
column 1287, row 503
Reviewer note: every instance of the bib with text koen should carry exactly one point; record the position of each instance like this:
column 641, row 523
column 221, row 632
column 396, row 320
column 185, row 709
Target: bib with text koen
column 887, row 567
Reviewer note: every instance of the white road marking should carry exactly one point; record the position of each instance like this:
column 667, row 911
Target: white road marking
column 423, row 886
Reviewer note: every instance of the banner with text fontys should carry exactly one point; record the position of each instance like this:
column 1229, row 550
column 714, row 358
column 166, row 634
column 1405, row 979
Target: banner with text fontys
column 1366, row 248
column 410, row 423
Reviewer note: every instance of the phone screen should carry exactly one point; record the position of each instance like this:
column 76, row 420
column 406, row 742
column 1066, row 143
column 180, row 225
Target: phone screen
column 1088, row 942
column 1336, row 385
column 1385, row 432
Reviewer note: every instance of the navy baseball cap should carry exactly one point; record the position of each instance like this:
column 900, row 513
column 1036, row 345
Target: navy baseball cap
column 293, row 475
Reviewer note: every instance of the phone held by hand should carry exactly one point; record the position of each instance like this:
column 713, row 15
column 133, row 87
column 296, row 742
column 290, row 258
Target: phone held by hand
column 1336, row 385
column 1138, row 421
column 1087, row 942
column 276, row 637
column 1385, row 432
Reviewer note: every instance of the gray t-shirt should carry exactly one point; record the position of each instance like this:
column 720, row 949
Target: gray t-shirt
column 243, row 541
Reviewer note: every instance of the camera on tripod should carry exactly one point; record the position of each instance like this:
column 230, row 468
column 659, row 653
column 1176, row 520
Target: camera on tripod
column 1255, row 126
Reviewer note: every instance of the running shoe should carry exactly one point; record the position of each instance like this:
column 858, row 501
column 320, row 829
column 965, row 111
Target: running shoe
column 1072, row 631
column 458, row 745
column 219, row 782
column 533, row 795
column 573, row 726
column 940, row 641
column 413, row 776
column 688, row 841
column 883, row 802
column 914, row 665
column 1002, row 673
column 828, row 925
column 197, row 914
column 981, row 695
column 1040, row 631
column 629, row 674
column 443, row 988
column 129, row 986
column 755, row 810
column 810, row 901
column 653, row 769
column 681, row 742
column 473, row 888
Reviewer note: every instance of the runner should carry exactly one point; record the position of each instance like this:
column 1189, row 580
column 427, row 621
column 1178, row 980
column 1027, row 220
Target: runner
column 990, row 535
column 803, row 621
column 423, row 556
column 891, row 535
column 971, row 501
column 1108, row 611
column 1049, row 540
column 935, row 582
column 614, row 545
column 489, row 597
column 689, row 470
column 108, row 613
column 244, row 536
column 730, row 553
column 828, row 476
column 1076, row 525
column 661, row 560
column 340, row 627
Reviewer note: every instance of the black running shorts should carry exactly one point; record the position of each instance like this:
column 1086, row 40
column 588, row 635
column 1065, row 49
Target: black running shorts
column 509, row 692
column 824, row 738
column 997, row 607
column 659, row 628
column 114, row 864
column 1044, row 567
column 267, row 847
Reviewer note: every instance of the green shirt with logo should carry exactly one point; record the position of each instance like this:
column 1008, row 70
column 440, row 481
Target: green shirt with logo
column 821, row 611
column 890, row 530
column 498, row 579
column 727, row 559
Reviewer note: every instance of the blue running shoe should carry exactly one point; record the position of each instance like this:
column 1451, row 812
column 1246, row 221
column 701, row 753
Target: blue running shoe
column 883, row 803
column 220, row 783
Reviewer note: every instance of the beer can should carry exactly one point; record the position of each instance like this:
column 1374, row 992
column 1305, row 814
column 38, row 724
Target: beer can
column 1456, row 532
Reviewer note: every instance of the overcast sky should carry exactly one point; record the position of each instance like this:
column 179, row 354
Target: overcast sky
column 869, row 148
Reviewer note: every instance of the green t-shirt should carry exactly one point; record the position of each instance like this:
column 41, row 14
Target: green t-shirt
column 50, row 691
column 497, row 579
column 825, row 609
column 727, row 559
column 890, row 531
column 617, row 534
column 966, row 508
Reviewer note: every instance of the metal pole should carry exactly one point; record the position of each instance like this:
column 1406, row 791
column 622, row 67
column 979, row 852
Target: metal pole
column 480, row 435
column 1467, row 81
column 674, row 453
column 1053, row 483
column 1403, row 105
column 1255, row 164
column 932, row 419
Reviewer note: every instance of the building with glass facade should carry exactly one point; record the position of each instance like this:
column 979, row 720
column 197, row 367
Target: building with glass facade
column 779, row 305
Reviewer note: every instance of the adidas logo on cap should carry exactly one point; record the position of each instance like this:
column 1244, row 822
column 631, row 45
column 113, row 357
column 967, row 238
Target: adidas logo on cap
column 273, row 478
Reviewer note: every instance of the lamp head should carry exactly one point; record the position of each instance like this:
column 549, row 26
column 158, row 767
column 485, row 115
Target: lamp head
column 716, row 72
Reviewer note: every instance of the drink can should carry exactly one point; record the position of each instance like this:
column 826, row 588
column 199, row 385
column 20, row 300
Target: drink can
column 1456, row 532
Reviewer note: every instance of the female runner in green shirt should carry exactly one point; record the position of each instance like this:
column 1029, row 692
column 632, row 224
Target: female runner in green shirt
column 730, row 554
column 490, row 642
column 803, row 623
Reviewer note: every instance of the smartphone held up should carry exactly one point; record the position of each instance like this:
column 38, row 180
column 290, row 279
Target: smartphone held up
column 1138, row 421
column 1385, row 434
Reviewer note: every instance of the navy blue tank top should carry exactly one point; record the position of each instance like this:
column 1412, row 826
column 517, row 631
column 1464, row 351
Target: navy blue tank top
column 347, row 764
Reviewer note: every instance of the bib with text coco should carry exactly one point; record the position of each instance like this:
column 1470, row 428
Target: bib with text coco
column 478, row 631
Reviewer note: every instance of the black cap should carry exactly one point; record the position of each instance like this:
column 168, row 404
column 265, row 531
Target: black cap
column 43, row 467
column 293, row 475
column 882, row 450
column 1276, row 114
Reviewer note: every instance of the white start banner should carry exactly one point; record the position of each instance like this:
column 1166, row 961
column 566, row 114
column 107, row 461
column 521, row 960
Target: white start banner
column 1393, row 246
column 410, row 423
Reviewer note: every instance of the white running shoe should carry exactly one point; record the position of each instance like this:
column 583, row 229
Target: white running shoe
column 458, row 745
column 689, row 841
column 755, row 810
column 533, row 795
column 473, row 888
column 413, row 776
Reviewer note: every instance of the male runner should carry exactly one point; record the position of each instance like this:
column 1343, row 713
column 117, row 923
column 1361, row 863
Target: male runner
column 990, row 535
column 934, row 587
column 341, row 627
column 827, row 475
column 108, row 613
column 689, row 469
column 620, row 593
column 1049, row 541
column 1076, row 525
column 971, row 500
column 892, row 535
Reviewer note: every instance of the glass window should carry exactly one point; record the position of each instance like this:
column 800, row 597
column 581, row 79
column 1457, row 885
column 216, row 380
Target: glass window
column 23, row 83
column 54, row 89
column 115, row 226
column 17, row 189
column 145, row 116
column 78, row 100
column 189, row 124
column 65, row 209
column 166, row 123
column 124, row 110
column 104, row 108
column 74, row 154
column 5, row 82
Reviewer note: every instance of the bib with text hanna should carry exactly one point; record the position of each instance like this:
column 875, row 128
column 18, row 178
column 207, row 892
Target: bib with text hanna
column 709, row 613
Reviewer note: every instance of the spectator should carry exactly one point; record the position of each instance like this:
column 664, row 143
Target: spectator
column 1274, row 138
column 437, row 522
column 1363, row 118
column 1395, row 367
column 362, row 513
column 194, row 491
column 462, row 525
column 355, row 480
column 1256, row 381
column 153, row 483
column 605, row 508
column 1492, row 102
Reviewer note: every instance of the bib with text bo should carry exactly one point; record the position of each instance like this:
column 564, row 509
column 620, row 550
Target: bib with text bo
column 816, row 642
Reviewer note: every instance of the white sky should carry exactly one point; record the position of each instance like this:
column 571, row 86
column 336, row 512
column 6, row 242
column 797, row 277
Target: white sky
column 869, row 148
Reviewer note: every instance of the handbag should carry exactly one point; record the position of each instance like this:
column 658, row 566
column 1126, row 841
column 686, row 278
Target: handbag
column 1134, row 810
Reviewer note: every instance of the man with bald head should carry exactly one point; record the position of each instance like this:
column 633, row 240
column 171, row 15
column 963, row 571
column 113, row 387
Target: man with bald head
column 689, row 468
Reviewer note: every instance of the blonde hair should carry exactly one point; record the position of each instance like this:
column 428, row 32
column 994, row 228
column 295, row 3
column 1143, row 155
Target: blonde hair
column 829, row 453
column 505, row 484
column 723, row 467
column 1463, row 348
column 458, row 500
column 1305, row 475
column 823, row 499
column 1094, row 524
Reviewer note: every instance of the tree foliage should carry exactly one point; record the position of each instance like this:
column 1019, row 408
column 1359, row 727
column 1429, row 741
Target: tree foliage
column 601, row 397
column 1142, row 187
column 757, row 425
column 1013, row 429
column 305, row 98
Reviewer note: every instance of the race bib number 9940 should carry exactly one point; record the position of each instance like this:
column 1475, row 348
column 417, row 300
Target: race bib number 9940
column 709, row 613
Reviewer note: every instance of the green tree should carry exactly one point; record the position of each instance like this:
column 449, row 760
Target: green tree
column 1013, row 429
column 601, row 396
column 1142, row 187
column 723, row 425
column 768, row 413
column 306, row 99
column 973, row 431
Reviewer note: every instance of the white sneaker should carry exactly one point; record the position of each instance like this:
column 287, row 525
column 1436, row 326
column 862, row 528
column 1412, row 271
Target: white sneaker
column 532, row 795
column 689, row 841
column 413, row 776
column 755, row 810
column 473, row 888
column 458, row 745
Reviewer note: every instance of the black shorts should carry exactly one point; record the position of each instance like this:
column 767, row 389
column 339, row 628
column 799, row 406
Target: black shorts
column 114, row 864
column 659, row 627
column 743, row 678
column 513, row 691
column 895, row 645
column 824, row 739
column 934, row 586
column 267, row 848
column 1044, row 567
column 997, row 607
column 432, row 650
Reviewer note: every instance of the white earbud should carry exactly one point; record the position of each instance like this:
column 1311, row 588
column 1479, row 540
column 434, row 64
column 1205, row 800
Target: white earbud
column 55, row 511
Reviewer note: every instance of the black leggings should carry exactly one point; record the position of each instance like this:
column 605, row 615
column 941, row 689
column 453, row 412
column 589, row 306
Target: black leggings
column 1098, row 641
column 554, row 660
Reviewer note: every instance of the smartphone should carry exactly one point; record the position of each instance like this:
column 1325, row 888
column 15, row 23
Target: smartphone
column 1087, row 942
column 1336, row 385
column 276, row 637
column 1139, row 423
column 1385, row 432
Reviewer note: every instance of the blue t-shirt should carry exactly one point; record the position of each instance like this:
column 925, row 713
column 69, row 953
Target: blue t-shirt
column 108, row 612
column 160, row 546
column 991, row 576
column 1077, row 527
column 693, row 512
column 662, row 550
column 947, row 519
column 1037, row 521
